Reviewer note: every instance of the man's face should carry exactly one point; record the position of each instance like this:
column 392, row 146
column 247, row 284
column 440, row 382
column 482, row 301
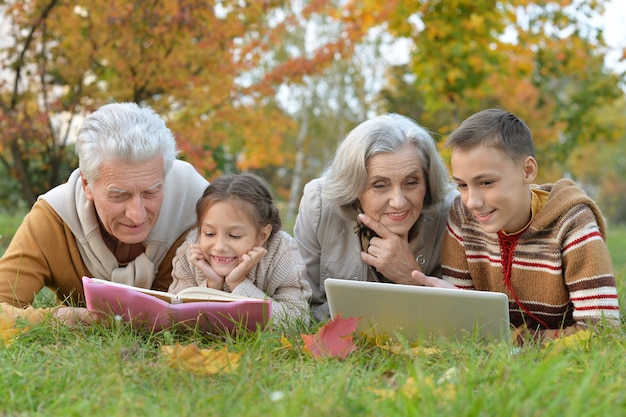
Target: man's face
column 128, row 198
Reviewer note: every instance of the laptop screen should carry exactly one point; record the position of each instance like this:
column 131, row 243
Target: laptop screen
column 414, row 313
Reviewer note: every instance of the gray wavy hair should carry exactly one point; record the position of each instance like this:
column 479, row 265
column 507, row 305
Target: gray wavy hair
column 123, row 132
column 346, row 176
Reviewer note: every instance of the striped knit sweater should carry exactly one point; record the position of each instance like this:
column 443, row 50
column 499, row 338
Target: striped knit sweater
column 559, row 268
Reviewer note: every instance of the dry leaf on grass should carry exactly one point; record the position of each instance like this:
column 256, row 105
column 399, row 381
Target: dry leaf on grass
column 333, row 339
column 579, row 340
column 442, row 390
column 8, row 330
column 398, row 348
column 200, row 361
column 285, row 342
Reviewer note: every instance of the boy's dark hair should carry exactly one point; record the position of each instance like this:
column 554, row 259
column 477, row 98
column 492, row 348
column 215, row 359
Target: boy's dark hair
column 251, row 194
column 497, row 128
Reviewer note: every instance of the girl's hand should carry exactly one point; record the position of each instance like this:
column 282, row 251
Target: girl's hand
column 248, row 261
column 197, row 258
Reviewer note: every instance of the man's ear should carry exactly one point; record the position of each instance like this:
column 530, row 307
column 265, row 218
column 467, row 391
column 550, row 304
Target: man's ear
column 86, row 189
column 264, row 234
column 531, row 168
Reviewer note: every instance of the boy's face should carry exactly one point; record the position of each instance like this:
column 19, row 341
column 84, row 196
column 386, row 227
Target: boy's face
column 494, row 187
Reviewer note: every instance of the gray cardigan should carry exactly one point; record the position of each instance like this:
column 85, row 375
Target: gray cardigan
column 331, row 249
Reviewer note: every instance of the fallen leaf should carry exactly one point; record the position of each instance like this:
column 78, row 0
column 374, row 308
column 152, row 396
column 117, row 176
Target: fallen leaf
column 578, row 340
column 440, row 390
column 333, row 339
column 8, row 330
column 200, row 361
column 285, row 342
column 400, row 349
column 408, row 389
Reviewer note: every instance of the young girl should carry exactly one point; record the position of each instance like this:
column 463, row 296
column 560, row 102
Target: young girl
column 238, row 247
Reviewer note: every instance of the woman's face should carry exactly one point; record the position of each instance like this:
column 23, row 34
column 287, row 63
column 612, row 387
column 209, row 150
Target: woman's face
column 395, row 189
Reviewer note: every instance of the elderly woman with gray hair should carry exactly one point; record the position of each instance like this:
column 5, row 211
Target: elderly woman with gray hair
column 379, row 211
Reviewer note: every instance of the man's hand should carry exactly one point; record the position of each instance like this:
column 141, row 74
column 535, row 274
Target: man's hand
column 389, row 253
column 74, row 316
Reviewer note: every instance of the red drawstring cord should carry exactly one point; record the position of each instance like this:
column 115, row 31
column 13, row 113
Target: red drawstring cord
column 507, row 247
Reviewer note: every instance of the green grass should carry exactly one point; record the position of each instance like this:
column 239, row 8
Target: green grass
column 8, row 225
column 116, row 370
column 616, row 241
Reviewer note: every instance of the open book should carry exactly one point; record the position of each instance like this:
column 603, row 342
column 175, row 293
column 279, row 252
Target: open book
column 200, row 308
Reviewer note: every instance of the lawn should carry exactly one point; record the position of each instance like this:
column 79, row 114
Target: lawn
column 117, row 370
column 616, row 241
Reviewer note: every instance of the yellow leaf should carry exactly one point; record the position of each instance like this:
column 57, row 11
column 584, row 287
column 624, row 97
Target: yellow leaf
column 8, row 330
column 454, row 74
column 383, row 394
column 441, row 390
column 201, row 361
column 579, row 340
column 409, row 389
column 395, row 347
column 285, row 342
column 475, row 22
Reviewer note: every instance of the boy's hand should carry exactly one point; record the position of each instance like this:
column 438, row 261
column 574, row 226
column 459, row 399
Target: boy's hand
column 423, row 279
column 197, row 258
column 248, row 261
column 389, row 254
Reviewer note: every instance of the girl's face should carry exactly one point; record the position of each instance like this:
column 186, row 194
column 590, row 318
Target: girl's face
column 226, row 233
column 395, row 189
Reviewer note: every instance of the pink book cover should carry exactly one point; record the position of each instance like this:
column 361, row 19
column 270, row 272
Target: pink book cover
column 153, row 313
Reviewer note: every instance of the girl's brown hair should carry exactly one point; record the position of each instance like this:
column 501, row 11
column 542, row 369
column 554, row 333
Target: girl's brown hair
column 251, row 194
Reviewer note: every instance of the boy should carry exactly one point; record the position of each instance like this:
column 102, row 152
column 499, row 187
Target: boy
column 542, row 245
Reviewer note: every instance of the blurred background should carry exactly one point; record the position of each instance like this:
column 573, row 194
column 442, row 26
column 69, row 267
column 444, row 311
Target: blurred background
column 272, row 86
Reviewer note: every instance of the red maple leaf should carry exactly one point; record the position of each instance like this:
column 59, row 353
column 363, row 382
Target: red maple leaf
column 332, row 340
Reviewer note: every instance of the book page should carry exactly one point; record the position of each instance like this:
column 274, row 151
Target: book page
column 187, row 295
column 165, row 296
column 208, row 294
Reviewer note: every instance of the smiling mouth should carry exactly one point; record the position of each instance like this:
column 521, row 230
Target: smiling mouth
column 398, row 215
column 483, row 215
column 223, row 259
column 134, row 226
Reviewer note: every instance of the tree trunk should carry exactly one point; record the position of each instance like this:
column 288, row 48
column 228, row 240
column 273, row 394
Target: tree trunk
column 296, row 180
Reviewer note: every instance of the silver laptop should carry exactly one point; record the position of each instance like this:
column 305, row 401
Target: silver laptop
column 417, row 313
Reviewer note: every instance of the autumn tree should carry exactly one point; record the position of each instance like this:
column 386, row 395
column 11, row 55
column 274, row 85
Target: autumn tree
column 210, row 68
column 602, row 169
column 327, row 104
column 540, row 60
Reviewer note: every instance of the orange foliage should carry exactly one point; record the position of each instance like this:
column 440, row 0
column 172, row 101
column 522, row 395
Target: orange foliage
column 211, row 68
